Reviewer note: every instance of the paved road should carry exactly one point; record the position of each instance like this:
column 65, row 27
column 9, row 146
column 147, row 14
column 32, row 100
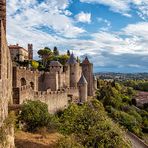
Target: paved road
column 135, row 142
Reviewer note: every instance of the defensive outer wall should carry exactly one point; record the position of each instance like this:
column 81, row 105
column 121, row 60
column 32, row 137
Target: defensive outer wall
column 25, row 87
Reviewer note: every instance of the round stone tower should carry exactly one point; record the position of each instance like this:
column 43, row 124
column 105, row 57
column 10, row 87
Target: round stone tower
column 82, row 86
column 87, row 70
column 55, row 66
column 74, row 70
column 3, row 12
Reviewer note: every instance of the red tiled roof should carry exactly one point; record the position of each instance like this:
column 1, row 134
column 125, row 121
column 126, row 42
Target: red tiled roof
column 142, row 97
column 16, row 47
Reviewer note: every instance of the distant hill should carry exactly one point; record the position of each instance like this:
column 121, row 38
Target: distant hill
column 122, row 76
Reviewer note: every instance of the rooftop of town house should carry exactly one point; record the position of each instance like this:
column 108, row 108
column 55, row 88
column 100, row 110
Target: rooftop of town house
column 11, row 47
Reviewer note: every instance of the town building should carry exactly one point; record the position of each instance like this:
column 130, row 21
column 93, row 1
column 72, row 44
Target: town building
column 19, row 53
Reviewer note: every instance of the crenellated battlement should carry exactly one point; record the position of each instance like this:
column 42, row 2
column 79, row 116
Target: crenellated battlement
column 39, row 93
column 28, row 69
column 56, row 100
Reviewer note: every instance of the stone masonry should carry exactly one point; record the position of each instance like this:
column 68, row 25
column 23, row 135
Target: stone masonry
column 5, row 79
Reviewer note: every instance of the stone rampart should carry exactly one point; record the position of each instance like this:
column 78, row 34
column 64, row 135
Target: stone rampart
column 73, row 91
column 5, row 86
column 56, row 100
column 25, row 76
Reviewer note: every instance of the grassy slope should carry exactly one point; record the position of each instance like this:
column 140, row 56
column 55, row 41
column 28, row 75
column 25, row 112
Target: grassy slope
column 29, row 140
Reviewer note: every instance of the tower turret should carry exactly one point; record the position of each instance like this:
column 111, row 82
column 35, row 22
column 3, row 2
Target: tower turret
column 82, row 86
column 74, row 71
column 87, row 70
column 30, row 51
column 3, row 12
column 56, row 66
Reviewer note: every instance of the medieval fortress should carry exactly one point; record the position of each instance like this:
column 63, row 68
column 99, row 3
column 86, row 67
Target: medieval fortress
column 73, row 82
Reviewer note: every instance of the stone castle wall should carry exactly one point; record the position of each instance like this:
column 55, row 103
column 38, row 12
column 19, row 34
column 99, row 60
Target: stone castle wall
column 5, row 84
column 49, row 87
column 87, row 70
column 56, row 100
column 23, row 76
column 73, row 91
column 48, row 80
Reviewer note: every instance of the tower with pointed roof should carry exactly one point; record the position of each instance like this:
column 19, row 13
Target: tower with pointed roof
column 87, row 69
column 82, row 87
column 74, row 71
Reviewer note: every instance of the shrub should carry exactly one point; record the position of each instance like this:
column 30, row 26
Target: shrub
column 129, row 121
column 91, row 127
column 35, row 114
column 68, row 142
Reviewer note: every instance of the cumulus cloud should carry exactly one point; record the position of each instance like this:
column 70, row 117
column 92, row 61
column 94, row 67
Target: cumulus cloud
column 83, row 17
column 49, row 23
column 26, row 16
column 124, row 6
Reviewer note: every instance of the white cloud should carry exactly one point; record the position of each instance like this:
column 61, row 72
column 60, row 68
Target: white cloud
column 26, row 15
column 83, row 17
column 132, row 39
column 139, row 30
column 124, row 6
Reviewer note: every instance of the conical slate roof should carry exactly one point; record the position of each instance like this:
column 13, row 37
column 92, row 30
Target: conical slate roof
column 55, row 63
column 86, row 61
column 72, row 59
column 82, row 80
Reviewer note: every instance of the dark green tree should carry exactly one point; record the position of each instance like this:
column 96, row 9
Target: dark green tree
column 68, row 52
column 55, row 51
column 44, row 54
column 34, row 114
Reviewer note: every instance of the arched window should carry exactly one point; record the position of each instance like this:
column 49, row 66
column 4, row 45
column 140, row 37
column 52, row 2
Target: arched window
column 32, row 85
column 23, row 81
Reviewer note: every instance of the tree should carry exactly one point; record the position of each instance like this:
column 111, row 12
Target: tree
column 68, row 52
column 35, row 64
column 91, row 127
column 63, row 59
column 55, row 51
column 34, row 114
column 44, row 54
column 78, row 60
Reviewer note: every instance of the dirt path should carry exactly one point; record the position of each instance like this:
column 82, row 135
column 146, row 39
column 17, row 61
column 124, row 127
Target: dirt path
column 28, row 140
column 136, row 143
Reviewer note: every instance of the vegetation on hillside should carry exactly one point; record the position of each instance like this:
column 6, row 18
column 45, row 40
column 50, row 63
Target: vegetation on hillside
column 137, row 84
column 117, row 100
column 82, row 126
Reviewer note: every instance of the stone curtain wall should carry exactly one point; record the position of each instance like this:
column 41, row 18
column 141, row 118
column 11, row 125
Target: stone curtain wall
column 5, row 89
column 28, row 75
column 5, row 76
column 56, row 100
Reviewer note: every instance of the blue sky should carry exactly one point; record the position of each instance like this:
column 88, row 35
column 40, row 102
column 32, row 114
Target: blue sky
column 112, row 33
